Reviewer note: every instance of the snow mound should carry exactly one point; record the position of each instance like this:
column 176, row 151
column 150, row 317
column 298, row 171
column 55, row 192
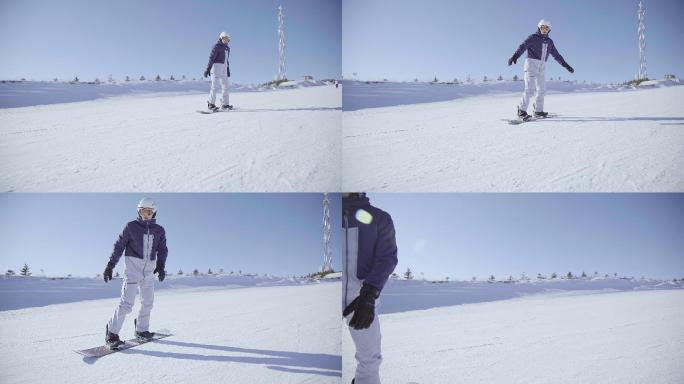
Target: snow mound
column 411, row 295
column 18, row 292
column 367, row 94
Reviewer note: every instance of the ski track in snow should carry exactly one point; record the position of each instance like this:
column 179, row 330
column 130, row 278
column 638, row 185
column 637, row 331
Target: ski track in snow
column 275, row 142
column 622, row 337
column 631, row 141
column 286, row 334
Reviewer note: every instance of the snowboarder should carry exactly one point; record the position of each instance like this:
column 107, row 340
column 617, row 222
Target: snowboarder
column 538, row 46
column 370, row 251
column 219, row 68
column 144, row 243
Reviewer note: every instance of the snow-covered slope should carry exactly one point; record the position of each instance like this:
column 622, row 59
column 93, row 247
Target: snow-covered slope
column 286, row 334
column 632, row 336
column 24, row 292
column 614, row 141
column 276, row 141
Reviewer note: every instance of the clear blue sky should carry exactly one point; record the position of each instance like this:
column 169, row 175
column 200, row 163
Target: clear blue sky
column 465, row 235
column 280, row 234
column 405, row 39
column 44, row 39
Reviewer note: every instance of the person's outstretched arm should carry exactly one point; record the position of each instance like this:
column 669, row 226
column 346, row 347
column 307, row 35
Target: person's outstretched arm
column 557, row 56
column 519, row 51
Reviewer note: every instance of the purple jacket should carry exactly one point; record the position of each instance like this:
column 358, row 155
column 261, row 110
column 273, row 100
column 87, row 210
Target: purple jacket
column 219, row 54
column 533, row 45
column 138, row 237
column 377, row 246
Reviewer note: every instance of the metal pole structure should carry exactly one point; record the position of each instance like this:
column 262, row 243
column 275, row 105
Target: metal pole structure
column 281, row 44
column 642, row 42
column 327, row 234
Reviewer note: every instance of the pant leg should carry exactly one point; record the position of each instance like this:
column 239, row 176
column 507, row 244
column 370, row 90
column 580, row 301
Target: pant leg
column 225, row 82
column 214, row 85
column 146, row 301
column 541, row 92
column 368, row 355
column 530, row 84
column 129, row 290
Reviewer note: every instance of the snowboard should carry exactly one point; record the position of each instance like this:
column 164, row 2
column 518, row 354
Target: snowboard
column 104, row 350
column 531, row 119
column 204, row 112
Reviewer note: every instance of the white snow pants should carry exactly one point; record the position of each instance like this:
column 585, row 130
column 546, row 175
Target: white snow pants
column 534, row 82
column 219, row 76
column 367, row 341
column 138, row 275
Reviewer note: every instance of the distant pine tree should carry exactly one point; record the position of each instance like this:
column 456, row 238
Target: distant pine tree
column 180, row 271
column 172, row 79
column 569, row 275
column 516, row 78
column 195, row 272
column 499, row 78
column 209, row 272
column 158, row 78
column 554, row 276
column 128, row 78
column 10, row 273
column 25, row 270
column 408, row 275
column 485, row 79
column 142, row 78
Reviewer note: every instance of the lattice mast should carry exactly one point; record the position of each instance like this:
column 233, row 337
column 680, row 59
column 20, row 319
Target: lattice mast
column 642, row 42
column 327, row 235
column 281, row 44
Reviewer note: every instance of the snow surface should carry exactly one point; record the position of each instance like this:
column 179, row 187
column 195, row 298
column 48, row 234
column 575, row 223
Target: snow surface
column 284, row 140
column 617, row 141
column 284, row 334
column 560, row 336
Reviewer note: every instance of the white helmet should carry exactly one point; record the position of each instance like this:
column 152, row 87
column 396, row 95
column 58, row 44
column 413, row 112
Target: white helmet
column 224, row 34
column 147, row 202
column 544, row 22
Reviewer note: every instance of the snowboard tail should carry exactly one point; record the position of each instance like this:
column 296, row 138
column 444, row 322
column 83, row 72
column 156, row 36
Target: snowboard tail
column 104, row 350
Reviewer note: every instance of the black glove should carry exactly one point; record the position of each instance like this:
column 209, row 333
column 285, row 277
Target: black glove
column 512, row 60
column 108, row 272
column 160, row 270
column 569, row 68
column 228, row 69
column 206, row 73
column 363, row 307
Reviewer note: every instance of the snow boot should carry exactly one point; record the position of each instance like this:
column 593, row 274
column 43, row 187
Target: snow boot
column 212, row 107
column 112, row 339
column 523, row 115
column 541, row 114
column 144, row 335
column 226, row 107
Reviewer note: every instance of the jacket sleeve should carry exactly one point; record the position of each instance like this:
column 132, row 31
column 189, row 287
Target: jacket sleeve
column 555, row 54
column 385, row 259
column 119, row 246
column 212, row 56
column 522, row 48
column 162, row 251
